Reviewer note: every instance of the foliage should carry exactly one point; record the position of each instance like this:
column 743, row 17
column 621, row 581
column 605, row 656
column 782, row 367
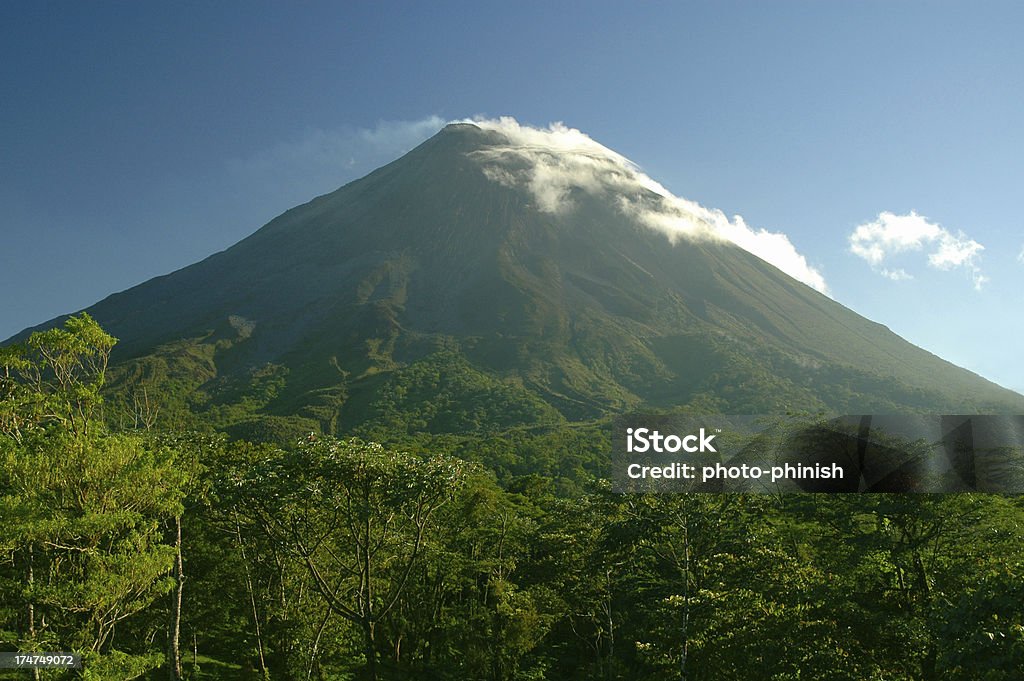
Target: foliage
column 466, row 546
column 82, row 510
column 55, row 377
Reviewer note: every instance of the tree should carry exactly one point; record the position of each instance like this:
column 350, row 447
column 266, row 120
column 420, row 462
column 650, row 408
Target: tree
column 82, row 509
column 54, row 378
column 358, row 517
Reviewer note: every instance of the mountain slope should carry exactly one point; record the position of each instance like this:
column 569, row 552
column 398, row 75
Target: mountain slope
column 448, row 291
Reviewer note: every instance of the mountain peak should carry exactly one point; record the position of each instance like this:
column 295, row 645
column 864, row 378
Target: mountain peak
column 465, row 136
column 557, row 166
column 539, row 259
column 459, row 126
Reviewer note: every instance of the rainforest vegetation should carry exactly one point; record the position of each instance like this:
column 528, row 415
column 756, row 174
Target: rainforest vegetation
column 162, row 548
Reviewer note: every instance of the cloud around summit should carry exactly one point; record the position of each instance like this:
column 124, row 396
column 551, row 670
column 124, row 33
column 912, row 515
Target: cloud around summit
column 551, row 162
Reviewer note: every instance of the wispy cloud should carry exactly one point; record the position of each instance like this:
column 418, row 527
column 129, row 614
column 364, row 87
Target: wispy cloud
column 1020, row 256
column 899, row 274
column 552, row 162
column 319, row 161
column 891, row 234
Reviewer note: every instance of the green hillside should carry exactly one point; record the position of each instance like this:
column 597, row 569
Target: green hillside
column 371, row 441
column 329, row 318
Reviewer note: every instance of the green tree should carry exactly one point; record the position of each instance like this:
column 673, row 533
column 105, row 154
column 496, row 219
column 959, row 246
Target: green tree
column 358, row 517
column 54, row 378
column 83, row 510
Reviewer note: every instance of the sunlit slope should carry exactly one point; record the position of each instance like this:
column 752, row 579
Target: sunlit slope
column 429, row 295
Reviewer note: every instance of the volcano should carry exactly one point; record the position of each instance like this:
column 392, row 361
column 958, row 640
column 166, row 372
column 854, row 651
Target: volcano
column 491, row 280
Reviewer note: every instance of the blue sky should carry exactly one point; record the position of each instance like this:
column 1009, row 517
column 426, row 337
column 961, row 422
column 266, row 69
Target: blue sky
column 137, row 138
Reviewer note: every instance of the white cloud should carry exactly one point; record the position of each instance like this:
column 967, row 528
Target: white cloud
column 552, row 162
column 399, row 136
column 899, row 274
column 319, row 161
column 1020, row 256
column 892, row 234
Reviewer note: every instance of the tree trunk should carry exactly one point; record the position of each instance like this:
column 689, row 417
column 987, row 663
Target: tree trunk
column 174, row 643
column 32, row 607
column 683, row 660
column 610, row 622
column 316, row 644
column 252, row 601
column 371, row 651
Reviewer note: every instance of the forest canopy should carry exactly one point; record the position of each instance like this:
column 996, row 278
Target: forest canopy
column 162, row 552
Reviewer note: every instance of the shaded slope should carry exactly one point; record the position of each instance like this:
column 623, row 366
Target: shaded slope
column 428, row 266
